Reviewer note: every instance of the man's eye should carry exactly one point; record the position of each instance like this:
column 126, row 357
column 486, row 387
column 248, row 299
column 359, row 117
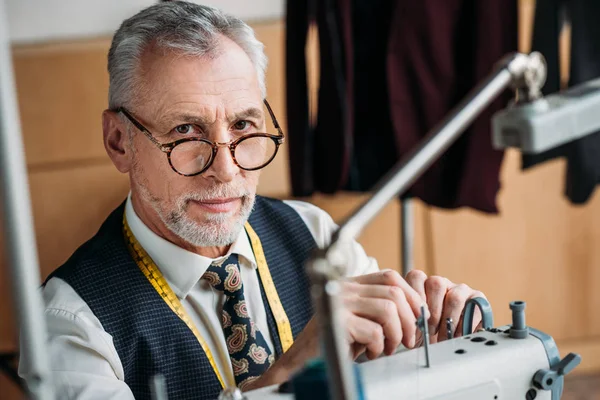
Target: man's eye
column 241, row 125
column 185, row 129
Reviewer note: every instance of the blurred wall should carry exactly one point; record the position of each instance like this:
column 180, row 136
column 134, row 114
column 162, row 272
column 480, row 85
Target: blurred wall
column 33, row 21
column 539, row 249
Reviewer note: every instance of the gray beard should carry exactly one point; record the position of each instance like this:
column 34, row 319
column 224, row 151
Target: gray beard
column 217, row 230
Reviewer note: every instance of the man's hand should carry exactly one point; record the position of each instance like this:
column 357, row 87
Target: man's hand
column 381, row 310
column 444, row 299
column 380, row 313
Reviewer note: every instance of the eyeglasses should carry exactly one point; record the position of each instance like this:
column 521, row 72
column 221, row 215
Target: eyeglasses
column 194, row 155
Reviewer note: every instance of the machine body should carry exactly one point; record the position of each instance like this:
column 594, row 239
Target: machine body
column 509, row 362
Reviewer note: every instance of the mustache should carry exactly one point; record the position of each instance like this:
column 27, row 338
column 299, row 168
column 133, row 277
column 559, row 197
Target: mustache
column 217, row 192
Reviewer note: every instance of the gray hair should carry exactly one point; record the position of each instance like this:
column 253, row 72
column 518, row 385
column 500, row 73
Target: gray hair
column 186, row 28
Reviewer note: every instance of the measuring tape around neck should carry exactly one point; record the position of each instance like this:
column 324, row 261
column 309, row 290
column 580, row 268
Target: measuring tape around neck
column 155, row 277
column 157, row 280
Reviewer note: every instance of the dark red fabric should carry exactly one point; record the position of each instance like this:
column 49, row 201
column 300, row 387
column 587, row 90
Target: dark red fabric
column 437, row 51
column 440, row 50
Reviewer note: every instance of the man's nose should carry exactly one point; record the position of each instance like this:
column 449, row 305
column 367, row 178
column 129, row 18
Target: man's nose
column 223, row 167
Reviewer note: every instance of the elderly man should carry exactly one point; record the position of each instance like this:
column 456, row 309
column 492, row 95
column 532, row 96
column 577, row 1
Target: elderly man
column 194, row 276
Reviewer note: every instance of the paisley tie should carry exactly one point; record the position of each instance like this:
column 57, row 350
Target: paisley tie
column 248, row 350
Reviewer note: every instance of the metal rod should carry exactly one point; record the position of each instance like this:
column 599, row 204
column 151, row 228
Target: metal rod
column 409, row 169
column 18, row 224
column 424, row 328
column 158, row 387
column 407, row 240
column 325, row 291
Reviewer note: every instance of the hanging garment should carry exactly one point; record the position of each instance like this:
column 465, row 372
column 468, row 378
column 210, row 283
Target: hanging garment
column 389, row 71
column 327, row 143
column 583, row 155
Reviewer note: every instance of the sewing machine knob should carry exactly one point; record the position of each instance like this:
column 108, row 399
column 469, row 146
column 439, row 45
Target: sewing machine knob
column 546, row 378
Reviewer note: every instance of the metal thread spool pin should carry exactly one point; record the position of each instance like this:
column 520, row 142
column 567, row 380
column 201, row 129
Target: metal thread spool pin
column 519, row 329
column 449, row 328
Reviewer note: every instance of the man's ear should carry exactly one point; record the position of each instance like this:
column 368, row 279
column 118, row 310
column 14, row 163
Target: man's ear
column 116, row 141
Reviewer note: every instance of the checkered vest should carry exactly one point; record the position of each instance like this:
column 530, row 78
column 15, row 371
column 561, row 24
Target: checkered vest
column 148, row 336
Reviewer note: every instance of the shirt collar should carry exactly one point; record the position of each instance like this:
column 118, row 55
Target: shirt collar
column 181, row 268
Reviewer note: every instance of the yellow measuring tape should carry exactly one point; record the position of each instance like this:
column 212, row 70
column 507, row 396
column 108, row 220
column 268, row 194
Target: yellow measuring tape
column 155, row 277
column 283, row 323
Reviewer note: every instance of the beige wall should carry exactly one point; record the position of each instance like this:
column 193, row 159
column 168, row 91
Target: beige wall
column 539, row 249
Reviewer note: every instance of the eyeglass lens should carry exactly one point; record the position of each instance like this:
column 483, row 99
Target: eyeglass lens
column 192, row 157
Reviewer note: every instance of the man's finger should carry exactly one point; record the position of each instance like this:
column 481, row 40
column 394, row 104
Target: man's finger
column 435, row 292
column 454, row 305
column 416, row 279
column 407, row 317
column 393, row 278
column 362, row 331
column 381, row 311
column 395, row 294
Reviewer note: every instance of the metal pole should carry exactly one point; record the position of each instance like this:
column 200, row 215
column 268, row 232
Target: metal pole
column 325, row 292
column 18, row 225
column 408, row 235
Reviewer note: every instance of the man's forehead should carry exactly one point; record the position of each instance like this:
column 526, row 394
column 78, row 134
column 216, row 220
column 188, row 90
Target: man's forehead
column 192, row 86
column 210, row 88
column 213, row 111
column 229, row 68
column 188, row 81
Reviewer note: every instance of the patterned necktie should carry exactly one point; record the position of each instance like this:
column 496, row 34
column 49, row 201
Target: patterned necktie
column 248, row 350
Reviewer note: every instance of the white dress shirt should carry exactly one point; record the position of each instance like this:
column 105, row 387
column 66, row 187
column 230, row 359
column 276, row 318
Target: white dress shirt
column 84, row 361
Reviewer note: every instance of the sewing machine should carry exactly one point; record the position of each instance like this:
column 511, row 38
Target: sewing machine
column 508, row 362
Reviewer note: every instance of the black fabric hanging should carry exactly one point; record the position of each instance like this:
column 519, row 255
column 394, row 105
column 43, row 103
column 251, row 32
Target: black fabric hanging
column 373, row 151
column 583, row 155
column 319, row 154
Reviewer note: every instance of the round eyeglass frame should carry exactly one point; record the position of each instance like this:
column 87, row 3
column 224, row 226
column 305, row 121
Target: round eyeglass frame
column 168, row 147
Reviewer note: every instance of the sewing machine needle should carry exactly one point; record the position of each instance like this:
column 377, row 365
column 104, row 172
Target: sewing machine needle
column 422, row 325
